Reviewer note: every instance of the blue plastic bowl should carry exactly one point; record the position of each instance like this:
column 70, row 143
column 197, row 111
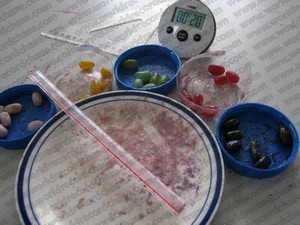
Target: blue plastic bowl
column 18, row 135
column 153, row 58
column 261, row 123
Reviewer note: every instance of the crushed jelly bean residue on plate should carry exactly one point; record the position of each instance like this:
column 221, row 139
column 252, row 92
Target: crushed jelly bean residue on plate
column 148, row 133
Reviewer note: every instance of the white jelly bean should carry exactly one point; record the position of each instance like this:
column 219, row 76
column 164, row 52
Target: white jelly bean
column 37, row 99
column 3, row 131
column 5, row 119
column 13, row 108
column 33, row 125
column 1, row 108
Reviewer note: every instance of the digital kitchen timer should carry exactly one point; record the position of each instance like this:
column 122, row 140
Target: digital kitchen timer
column 187, row 27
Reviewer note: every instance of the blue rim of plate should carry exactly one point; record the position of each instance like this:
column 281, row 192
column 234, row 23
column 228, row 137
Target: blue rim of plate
column 219, row 184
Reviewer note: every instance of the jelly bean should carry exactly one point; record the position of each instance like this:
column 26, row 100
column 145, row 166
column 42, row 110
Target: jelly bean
column 33, row 125
column 231, row 124
column 95, row 87
column 143, row 75
column 263, row 163
column 105, row 84
column 285, row 137
column 13, row 108
column 216, row 70
column 5, row 119
column 86, row 65
column 186, row 95
column 138, row 83
column 232, row 77
column 255, row 150
column 209, row 110
column 234, row 135
column 3, row 131
column 130, row 64
column 233, row 146
column 106, row 73
column 37, row 98
column 149, row 85
column 154, row 78
column 1, row 108
column 221, row 80
column 163, row 79
column 198, row 99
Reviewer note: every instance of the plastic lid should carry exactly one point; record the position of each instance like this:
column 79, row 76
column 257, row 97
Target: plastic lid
column 260, row 123
column 18, row 135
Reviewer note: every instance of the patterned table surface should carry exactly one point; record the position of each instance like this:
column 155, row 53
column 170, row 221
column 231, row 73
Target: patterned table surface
column 265, row 32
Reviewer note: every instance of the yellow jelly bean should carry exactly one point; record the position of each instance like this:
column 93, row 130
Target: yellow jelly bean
column 86, row 65
column 106, row 73
column 95, row 87
column 105, row 84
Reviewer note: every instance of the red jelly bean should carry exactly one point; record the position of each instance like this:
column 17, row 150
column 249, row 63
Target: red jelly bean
column 209, row 110
column 221, row 80
column 216, row 70
column 186, row 95
column 198, row 99
column 233, row 77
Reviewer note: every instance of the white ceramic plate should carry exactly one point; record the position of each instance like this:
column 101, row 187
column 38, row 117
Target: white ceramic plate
column 66, row 177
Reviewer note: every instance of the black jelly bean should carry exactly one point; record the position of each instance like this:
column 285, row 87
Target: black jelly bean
column 232, row 146
column 263, row 163
column 285, row 137
column 231, row 124
column 234, row 135
column 255, row 150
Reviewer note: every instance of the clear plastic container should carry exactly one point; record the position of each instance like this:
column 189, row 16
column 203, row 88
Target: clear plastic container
column 194, row 78
column 74, row 82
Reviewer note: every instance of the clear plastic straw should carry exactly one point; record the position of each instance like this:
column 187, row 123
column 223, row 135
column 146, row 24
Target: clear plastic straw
column 154, row 184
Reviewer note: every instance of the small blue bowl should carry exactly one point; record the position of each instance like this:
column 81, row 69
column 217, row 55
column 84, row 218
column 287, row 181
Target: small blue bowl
column 18, row 135
column 261, row 123
column 153, row 58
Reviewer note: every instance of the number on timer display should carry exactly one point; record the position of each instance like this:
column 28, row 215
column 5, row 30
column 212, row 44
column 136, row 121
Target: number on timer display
column 190, row 18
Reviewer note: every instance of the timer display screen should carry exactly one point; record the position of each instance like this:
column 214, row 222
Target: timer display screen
column 189, row 18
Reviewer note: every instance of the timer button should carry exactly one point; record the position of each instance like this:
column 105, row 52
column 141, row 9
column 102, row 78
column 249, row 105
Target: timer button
column 169, row 30
column 197, row 37
column 182, row 35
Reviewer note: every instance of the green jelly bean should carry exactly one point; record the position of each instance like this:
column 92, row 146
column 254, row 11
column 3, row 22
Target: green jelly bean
column 130, row 64
column 163, row 79
column 149, row 85
column 154, row 78
column 143, row 75
column 138, row 83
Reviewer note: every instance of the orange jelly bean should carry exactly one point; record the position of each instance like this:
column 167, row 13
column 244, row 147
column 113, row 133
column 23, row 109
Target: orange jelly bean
column 95, row 87
column 106, row 73
column 105, row 84
column 86, row 65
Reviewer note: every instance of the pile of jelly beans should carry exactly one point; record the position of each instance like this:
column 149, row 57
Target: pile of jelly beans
column 144, row 79
column 97, row 86
column 261, row 159
column 221, row 77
